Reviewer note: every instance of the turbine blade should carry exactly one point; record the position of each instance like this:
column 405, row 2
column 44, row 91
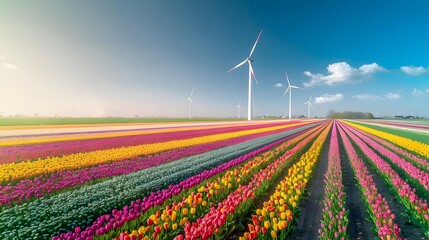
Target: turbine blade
column 192, row 92
column 309, row 100
column 254, row 45
column 253, row 73
column 287, row 89
column 238, row 65
column 287, row 78
column 295, row 87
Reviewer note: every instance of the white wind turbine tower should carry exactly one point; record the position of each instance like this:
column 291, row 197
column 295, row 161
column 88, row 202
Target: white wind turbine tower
column 309, row 106
column 238, row 106
column 289, row 88
column 189, row 99
column 249, row 60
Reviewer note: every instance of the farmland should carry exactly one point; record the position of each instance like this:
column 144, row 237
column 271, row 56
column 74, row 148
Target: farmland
column 278, row 179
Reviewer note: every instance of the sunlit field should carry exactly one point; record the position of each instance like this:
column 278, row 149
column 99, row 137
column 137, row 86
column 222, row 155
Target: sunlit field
column 223, row 180
column 214, row 120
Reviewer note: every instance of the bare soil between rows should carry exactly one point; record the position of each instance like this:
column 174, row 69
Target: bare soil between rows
column 310, row 207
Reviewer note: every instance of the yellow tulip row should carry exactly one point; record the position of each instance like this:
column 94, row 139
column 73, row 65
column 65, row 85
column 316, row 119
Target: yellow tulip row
column 63, row 138
column 277, row 213
column 412, row 145
column 178, row 213
column 20, row 170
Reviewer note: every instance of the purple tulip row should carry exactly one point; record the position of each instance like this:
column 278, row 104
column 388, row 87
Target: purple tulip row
column 415, row 204
column 378, row 207
column 34, row 151
column 133, row 211
column 400, row 151
column 46, row 184
column 419, row 175
column 334, row 215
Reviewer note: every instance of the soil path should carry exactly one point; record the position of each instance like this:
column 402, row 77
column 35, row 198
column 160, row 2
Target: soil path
column 359, row 227
column 308, row 221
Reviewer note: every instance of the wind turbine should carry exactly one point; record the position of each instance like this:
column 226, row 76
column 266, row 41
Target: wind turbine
column 309, row 106
column 289, row 88
column 238, row 106
column 189, row 99
column 249, row 60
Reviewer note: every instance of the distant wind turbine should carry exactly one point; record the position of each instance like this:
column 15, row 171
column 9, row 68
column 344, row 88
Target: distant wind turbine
column 249, row 60
column 289, row 88
column 309, row 106
column 189, row 99
column 238, row 106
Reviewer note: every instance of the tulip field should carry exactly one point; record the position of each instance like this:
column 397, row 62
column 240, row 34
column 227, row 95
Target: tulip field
column 282, row 179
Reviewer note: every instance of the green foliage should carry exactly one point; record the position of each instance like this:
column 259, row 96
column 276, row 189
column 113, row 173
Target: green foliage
column 349, row 115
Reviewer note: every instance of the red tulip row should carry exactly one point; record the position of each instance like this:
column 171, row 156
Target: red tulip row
column 418, row 175
column 193, row 203
column 417, row 206
column 274, row 219
column 378, row 208
column 190, row 207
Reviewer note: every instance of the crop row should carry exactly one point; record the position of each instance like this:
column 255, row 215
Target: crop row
column 412, row 145
column 29, row 189
column 27, row 169
column 273, row 220
column 161, row 199
column 46, row 216
column 213, row 193
column 377, row 206
column 34, row 151
column 334, row 215
column 417, row 206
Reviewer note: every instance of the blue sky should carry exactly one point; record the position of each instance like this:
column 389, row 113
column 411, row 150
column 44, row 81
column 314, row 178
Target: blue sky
column 96, row 58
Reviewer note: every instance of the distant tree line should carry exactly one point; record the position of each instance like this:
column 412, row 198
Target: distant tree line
column 349, row 115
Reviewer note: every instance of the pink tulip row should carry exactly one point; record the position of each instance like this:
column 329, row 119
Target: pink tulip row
column 415, row 204
column 34, row 151
column 419, row 175
column 379, row 208
column 239, row 202
column 108, row 222
column 423, row 163
column 43, row 185
column 334, row 215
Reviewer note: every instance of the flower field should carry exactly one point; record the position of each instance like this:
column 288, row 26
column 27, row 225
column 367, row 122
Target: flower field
column 302, row 179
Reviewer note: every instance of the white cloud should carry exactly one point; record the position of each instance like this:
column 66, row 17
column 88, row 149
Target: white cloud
column 10, row 66
column 7, row 65
column 387, row 96
column 278, row 85
column 414, row 71
column 326, row 98
column 393, row 95
column 427, row 91
column 417, row 92
column 367, row 97
column 342, row 72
